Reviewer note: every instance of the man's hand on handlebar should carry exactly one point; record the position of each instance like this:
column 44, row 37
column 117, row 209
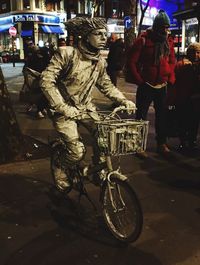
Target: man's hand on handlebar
column 71, row 112
column 129, row 106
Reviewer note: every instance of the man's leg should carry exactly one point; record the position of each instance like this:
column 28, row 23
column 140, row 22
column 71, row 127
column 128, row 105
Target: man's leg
column 143, row 101
column 160, row 122
column 98, row 158
column 67, row 153
column 144, row 97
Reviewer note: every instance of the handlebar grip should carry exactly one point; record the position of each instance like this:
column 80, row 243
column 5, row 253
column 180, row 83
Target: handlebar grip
column 120, row 108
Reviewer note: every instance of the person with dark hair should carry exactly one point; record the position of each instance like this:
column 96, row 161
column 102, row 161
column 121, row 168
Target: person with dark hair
column 187, row 97
column 61, row 42
column 68, row 82
column 110, row 40
column 116, row 59
column 35, row 60
column 152, row 61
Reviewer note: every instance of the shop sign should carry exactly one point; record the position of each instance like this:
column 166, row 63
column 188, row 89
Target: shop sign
column 35, row 17
column 25, row 17
column 6, row 20
column 192, row 21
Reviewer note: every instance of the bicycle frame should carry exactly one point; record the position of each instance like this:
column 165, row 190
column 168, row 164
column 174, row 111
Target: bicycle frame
column 118, row 200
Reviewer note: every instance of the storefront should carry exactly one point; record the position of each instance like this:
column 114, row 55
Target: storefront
column 116, row 26
column 41, row 28
column 5, row 39
column 188, row 21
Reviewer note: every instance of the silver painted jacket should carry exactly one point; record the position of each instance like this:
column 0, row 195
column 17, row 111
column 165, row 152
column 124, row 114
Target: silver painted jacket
column 70, row 77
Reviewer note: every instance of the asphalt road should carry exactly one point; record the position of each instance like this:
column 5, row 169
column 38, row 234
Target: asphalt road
column 37, row 228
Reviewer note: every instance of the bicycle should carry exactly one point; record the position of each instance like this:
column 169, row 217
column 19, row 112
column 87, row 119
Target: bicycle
column 120, row 206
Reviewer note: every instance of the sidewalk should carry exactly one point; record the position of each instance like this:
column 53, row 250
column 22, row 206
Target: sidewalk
column 34, row 230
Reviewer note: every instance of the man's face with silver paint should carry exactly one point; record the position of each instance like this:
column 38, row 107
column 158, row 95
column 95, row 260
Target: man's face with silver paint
column 97, row 38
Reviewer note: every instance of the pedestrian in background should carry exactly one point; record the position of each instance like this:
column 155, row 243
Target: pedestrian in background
column 111, row 39
column 152, row 62
column 187, row 97
column 35, row 60
column 116, row 59
column 62, row 42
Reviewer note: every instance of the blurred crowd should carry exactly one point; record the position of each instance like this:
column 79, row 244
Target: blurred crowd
column 37, row 59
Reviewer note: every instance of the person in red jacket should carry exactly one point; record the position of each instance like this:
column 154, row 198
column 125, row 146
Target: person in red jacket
column 152, row 63
column 187, row 97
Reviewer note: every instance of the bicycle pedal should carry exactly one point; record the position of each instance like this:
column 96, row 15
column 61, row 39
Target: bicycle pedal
column 85, row 171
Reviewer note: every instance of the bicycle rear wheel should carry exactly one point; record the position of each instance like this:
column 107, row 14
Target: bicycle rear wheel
column 121, row 210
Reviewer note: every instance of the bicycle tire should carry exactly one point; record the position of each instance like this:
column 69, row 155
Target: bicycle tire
column 124, row 221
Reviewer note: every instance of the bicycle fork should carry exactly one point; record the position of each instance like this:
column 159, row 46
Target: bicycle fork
column 113, row 188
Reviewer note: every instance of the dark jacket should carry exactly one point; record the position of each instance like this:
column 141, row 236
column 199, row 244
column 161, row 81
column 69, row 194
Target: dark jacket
column 187, row 81
column 116, row 58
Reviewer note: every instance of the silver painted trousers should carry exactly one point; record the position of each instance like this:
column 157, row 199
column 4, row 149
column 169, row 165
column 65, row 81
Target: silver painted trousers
column 74, row 146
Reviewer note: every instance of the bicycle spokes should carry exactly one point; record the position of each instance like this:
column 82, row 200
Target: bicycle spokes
column 122, row 211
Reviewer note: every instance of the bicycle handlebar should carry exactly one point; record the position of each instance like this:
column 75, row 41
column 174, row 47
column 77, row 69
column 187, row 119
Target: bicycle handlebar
column 110, row 115
column 121, row 108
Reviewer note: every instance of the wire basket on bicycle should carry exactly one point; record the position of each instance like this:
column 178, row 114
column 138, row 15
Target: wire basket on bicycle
column 122, row 137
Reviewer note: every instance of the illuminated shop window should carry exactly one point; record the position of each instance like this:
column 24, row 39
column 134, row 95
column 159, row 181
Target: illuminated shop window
column 58, row 5
column 89, row 7
column 26, row 4
column 37, row 4
column 115, row 8
column 3, row 7
column 192, row 28
column 50, row 6
column 81, row 7
column 13, row 5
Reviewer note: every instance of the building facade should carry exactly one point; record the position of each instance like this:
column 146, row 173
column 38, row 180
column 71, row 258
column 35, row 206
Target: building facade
column 43, row 21
column 112, row 10
column 188, row 19
column 38, row 20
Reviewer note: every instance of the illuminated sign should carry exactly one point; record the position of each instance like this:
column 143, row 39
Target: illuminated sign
column 154, row 6
column 6, row 20
column 191, row 21
column 128, row 22
column 12, row 31
column 25, row 17
column 35, row 17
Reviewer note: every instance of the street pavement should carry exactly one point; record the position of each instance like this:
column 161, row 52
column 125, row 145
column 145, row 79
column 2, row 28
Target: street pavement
column 36, row 228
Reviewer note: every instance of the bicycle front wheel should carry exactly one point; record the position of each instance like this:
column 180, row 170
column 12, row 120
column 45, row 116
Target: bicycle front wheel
column 121, row 210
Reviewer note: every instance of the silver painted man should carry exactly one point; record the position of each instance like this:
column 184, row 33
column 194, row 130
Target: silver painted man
column 68, row 82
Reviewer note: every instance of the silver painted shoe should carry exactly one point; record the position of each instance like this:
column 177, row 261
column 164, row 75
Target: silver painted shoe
column 61, row 178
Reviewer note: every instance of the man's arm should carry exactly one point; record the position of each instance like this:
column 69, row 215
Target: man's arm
column 134, row 57
column 49, row 79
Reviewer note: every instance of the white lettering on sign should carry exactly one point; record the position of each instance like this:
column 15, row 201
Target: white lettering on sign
column 192, row 21
column 21, row 18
